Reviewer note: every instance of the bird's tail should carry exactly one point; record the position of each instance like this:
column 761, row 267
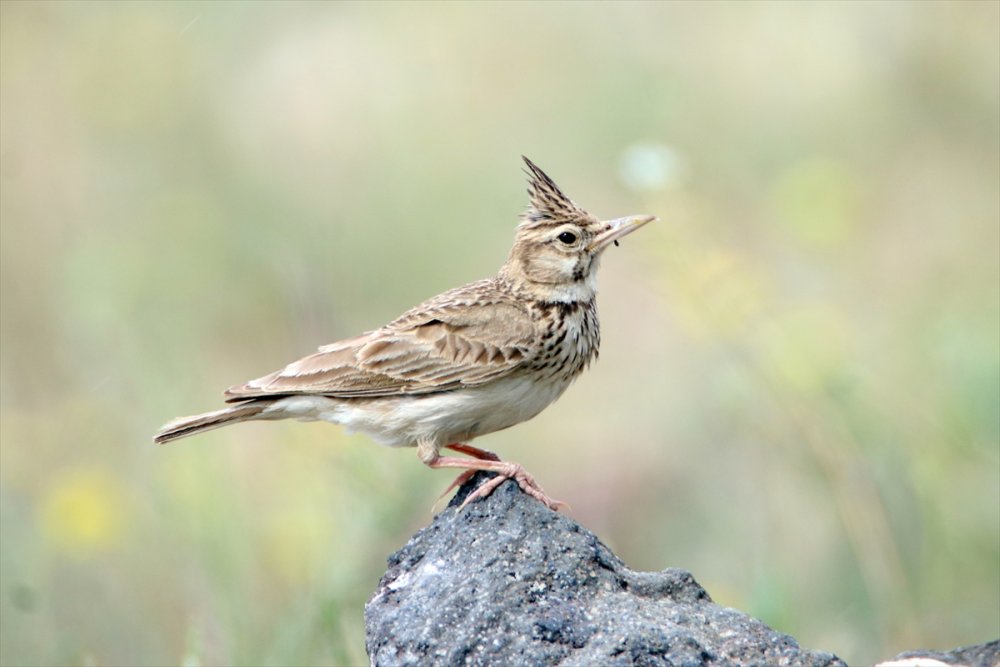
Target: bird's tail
column 185, row 426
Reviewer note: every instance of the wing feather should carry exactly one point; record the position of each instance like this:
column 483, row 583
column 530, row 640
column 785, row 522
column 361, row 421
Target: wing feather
column 457, row 339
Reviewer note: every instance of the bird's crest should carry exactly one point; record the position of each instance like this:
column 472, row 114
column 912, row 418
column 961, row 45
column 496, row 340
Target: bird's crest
column 548, row 203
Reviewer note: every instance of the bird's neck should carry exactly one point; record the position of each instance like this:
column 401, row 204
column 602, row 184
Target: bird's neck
column 583, row 290
column 577, row 292
column 580, row 291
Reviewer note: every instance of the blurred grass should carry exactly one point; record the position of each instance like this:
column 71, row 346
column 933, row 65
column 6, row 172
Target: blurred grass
column 798, row 396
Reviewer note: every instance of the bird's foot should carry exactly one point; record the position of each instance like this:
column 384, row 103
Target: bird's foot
column 475, row 452
column 524, row 479
column 462, row 478
column 504, row 469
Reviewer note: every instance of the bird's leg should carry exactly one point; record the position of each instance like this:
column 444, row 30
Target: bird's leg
column 505, row 470
column 474, row 452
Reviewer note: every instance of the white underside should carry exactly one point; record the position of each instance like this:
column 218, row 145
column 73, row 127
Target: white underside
column 438, row 419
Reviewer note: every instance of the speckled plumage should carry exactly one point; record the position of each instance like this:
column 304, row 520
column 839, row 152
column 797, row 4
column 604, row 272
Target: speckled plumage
column 470, row 361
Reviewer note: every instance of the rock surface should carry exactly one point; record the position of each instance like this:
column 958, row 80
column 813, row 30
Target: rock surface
column 980, row 655
column 508, row 582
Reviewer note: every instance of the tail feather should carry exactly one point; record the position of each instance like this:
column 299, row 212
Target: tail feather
column 185, row 426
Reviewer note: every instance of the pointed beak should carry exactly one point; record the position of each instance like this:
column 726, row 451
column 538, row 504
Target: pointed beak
column 615, row 229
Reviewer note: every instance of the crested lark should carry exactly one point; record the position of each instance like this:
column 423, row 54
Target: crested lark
column 473, row 360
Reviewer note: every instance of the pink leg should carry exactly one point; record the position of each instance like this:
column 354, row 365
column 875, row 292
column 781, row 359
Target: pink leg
column 505, row 470
column 475, row 452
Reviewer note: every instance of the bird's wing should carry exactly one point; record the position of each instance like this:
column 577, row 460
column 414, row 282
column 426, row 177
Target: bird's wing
column 435, row 347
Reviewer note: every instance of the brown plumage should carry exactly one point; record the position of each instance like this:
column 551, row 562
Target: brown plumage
column 471, row 361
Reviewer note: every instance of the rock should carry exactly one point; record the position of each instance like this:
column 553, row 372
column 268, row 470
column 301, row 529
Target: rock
column 980, row 655
column 508, row 582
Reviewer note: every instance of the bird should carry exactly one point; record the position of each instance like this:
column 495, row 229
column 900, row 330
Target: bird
column 471, row 361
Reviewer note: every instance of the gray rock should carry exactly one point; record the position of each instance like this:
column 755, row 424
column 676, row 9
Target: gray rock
column 508, row 582
column 980, row 655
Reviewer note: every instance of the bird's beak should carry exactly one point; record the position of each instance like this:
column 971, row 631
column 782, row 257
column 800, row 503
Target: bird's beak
column 615, row 229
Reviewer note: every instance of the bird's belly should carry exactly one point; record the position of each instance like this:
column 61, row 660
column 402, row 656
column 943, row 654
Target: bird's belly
column 442, row 418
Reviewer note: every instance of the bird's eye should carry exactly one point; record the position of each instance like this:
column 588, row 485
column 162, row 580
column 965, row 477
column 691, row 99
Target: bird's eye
column 569, row 238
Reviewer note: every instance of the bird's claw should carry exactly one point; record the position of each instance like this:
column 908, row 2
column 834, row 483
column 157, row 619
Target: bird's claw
column 517, row 473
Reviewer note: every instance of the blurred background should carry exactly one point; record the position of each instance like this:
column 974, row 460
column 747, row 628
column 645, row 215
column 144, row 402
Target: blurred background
column 797, row 396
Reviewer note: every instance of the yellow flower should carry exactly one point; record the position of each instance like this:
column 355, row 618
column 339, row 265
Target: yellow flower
column 83, row 511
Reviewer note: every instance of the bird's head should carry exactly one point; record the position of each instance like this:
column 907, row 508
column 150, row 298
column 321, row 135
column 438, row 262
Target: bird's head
column 558, row 244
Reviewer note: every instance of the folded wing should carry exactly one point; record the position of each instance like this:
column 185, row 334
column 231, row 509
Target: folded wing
column 434, row 347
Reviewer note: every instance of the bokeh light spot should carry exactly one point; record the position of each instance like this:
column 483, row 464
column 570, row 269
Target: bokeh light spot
column 650, row 166
column 84, row 511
